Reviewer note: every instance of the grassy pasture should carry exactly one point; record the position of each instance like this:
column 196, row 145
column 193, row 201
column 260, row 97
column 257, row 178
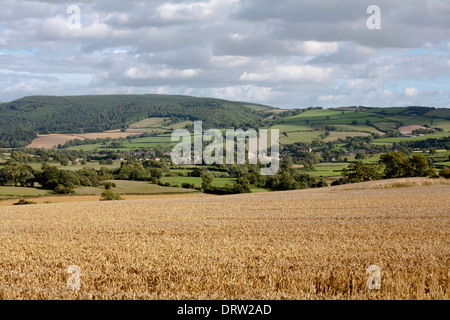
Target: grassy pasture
column 132, row 187
column 410, row 120
column 150, row 123
column 441, row 113
column 418, row 138
column 385, row 125
column 335, row 135
column 197, row 181
column 352, row 127
column 127, row 145
column 302, row 136
column 14, row 192
column 325, row 169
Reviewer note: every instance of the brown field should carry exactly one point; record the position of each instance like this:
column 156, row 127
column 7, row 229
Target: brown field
column 409, row 129
column 306, row 244
column 48, row 141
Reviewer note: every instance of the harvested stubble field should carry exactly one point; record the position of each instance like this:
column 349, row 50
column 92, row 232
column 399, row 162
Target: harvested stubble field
column 308, row 244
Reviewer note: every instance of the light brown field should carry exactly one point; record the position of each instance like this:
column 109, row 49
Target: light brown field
column 307, row 244
column 48, row 141
column 409, row 129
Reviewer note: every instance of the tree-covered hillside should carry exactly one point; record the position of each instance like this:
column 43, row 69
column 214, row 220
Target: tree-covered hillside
column 22, row 119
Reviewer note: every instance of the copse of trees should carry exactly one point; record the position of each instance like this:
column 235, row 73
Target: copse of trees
column 15, row 174
column 360, row 172
column 391, row 165
column 64, row 181
column 50, row 177
column 249, row 176
column 398, row 165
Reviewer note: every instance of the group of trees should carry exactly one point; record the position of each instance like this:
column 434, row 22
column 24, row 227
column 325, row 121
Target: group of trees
column 250, row 177
column 64, row 181
column 242, row 185
column 50, row 177
column 15, row 174
column 141, row 171
column 391, row 165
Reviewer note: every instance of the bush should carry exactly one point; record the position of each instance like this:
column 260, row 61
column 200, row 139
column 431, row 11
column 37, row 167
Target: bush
column 187, row 185
column 109, row 195
column 109, row 185
column 61, row 189
column 338, row 182
column 445, row 172
column 322, row 183
column 24, row 202
column 50, row 184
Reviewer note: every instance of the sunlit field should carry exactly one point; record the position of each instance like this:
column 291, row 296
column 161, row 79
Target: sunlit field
column 307, row 244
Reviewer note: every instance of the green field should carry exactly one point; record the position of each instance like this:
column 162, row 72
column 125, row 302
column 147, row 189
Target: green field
column 14, row 192
column 410, row 120
column 304, row 127
column 441, row 113
column 385, row 125
column 127, row 145
column 326, row 169
column 292, row 126
column 156, row 124
column 133, row 187
column 150, row 123
column 302, row 136
column 357, row 127
column 197, row 181
column 335, row 135
column 419, row 138
column 446, row 163
column 442, row 123
column 328, row 116
column 257, row 190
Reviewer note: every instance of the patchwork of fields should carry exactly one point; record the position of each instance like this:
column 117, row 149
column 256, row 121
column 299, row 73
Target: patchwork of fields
column 304, row 127
column 308, row 244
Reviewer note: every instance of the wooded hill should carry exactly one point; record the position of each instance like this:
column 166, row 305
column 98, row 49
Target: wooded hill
column 21, row 120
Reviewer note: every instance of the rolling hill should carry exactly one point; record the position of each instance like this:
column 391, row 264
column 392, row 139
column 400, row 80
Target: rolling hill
column 24, row 119
column 21, row 120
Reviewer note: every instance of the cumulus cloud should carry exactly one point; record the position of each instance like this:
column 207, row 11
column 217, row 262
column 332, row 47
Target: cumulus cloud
column 283, row 53
column 411, row 92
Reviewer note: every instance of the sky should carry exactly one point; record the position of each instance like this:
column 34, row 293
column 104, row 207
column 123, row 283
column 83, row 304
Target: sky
column 284, row 53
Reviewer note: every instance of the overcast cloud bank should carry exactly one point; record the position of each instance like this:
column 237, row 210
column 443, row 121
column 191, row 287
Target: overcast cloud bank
column 281, row 53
